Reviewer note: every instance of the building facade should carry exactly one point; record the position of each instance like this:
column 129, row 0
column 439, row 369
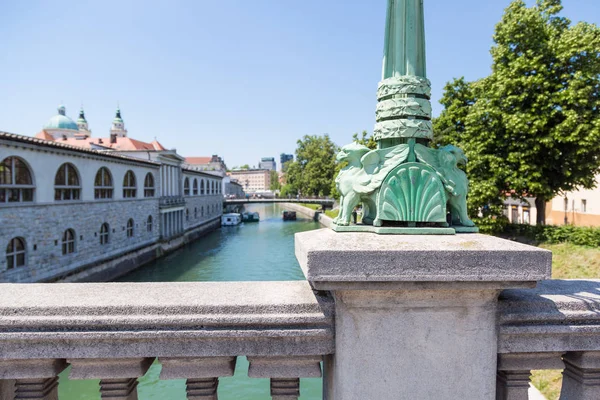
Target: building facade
column 253, row 180
column 284, row 158
column 67, row 209
column 580, row 208
column 62, row 207
column 268, row 163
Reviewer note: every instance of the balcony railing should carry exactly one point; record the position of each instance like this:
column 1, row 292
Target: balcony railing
column 113, row 332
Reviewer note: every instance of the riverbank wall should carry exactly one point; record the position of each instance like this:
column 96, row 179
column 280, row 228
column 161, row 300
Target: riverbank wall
column 107, row 270
column 319, row 216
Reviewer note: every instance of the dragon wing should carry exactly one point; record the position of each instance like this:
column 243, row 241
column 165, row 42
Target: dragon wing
column 376, row 165
column 427, row 155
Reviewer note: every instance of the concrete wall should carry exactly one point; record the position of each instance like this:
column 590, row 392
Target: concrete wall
column 309, row 212
column 207, row 208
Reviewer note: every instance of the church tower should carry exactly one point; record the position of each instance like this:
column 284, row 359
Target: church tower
column 82, row 122
column 118, row 126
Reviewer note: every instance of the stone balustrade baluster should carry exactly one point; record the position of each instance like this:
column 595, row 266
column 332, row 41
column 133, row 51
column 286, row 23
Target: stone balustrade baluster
column 581, row 376
column 514, row 372
column 285, row 373
column 30, row 379
column 202, row 374
column 118, row 377
column 285, row 389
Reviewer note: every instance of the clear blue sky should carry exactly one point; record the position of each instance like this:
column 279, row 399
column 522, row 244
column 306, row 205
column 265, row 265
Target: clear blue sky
column 240, row 78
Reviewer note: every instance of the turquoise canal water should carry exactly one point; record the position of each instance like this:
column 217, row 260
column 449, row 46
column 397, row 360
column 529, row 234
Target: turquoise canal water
column 262, row 251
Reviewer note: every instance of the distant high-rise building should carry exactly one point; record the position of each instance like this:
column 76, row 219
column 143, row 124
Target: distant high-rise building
column 267, row 163
column 283, row 158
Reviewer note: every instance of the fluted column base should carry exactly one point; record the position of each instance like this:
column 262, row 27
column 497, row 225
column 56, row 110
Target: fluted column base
column 285, row 389
column 41, row 389
column 581, row 376
column 202, row 388
column 119, row 389
column 512, row 385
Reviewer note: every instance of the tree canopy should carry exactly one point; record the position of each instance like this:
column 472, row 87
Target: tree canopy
column 313, row 169
column 275, row 185
column 532, row 127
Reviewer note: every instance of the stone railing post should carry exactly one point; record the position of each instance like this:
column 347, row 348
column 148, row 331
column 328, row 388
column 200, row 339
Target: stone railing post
column 285, row 373
column 581, row 376
column 415, row 316
column 30, row 379
column 201, row 374
column 118, row 377
column 514, row 372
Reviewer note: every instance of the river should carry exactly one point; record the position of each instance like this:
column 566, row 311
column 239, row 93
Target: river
column 261, row 251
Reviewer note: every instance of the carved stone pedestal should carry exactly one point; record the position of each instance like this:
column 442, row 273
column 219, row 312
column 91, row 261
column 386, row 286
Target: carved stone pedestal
column 415, row 315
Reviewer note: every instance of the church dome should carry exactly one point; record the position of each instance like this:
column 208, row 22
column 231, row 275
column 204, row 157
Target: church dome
column 61, row 121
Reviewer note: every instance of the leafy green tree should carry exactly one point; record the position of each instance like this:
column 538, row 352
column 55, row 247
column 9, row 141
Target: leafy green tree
column 532, row 127
column 275, row 185
column 312, row 171
column 245, row 166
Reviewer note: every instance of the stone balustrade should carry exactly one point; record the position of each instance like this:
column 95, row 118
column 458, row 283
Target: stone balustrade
column 405, row 330
column 114, row 331
column 554, row 326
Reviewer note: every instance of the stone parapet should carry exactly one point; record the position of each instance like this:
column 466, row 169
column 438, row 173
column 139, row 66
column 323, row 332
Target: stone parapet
column 113, row 332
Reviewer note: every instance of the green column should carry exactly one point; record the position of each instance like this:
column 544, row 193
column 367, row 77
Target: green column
column 404, row 52
column 404, row 109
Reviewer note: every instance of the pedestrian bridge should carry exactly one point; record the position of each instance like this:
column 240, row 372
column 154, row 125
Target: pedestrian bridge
column 326, row 203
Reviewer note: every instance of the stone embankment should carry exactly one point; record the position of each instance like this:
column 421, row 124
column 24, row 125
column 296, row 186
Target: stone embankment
column 309, row 212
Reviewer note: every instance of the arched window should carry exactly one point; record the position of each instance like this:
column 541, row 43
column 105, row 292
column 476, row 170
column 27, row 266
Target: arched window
column 130, row 228
column 149, row 223
column 68, row 242
column 202, row 211
column 212, row 187
column 66, row 183
column 15, row 253
column 186, row 187
column 129, row 185
column 195, row 212
column 103, row 185
column 202, row 187
column 187, row 214
column 195, row 187
column 149, row 185
column 16, row 184
column 104, row 229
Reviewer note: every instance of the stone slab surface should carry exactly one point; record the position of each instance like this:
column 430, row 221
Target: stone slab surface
column 556, row 316
column 182, row 319
column 329, row 257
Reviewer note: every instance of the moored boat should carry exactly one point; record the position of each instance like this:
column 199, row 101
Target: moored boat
column 250, row 217
column 289, row 215
column 231, row 219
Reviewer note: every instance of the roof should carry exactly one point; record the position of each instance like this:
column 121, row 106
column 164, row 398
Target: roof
column 66, row 145
column 203, row 173
column 198, row 160
column 122, row 143
column 61, row 121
